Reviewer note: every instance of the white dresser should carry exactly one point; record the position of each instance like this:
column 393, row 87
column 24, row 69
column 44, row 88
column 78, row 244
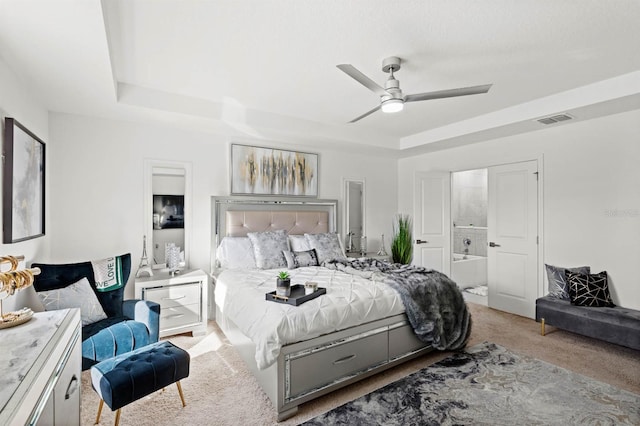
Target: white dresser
column 183, row 300
column 40, row 366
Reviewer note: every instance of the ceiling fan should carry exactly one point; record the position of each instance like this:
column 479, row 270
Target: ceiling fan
column 391, row 97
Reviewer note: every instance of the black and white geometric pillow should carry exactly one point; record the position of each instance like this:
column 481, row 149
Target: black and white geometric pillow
column 589, row 289
column 558, row 287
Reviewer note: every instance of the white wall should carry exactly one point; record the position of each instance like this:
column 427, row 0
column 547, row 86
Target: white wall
column 96, row 175
column 16, row 101
column 591, row 184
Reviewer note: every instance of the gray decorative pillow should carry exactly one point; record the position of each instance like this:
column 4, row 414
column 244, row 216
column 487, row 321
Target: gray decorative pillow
column 268, row 247
column 76, row 295
column 297, row 259
column 327, row 246
column 558, row 287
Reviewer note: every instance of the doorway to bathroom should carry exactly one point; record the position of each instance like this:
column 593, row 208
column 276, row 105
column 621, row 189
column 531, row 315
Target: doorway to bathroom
column 513, row 229
column 469, row 207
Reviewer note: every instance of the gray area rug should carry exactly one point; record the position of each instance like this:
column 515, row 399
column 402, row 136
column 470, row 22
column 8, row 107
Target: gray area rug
column 481, row 290
column 489, row 385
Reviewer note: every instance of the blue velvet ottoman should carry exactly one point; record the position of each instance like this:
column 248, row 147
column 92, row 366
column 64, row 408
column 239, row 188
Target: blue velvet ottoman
column 128, row 377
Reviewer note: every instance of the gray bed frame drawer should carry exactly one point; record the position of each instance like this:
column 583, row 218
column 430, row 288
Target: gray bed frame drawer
column 403, row 342
column 335, row 362
column 305, row 370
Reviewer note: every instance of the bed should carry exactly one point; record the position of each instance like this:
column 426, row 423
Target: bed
column 299, row 353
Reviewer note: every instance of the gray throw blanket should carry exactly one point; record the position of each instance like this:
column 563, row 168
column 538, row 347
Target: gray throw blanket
column 433, row 303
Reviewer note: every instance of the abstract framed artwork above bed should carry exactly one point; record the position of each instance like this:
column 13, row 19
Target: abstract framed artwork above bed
column 269, row 171
column 358, row 328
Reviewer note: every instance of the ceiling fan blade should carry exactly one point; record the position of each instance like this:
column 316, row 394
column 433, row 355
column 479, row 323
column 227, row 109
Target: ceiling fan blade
column 353, row 72
column 462, row 91
column 365, row 114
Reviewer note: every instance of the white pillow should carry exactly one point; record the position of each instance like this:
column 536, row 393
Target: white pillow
column 77, row 295
column 299, row 243
column 327, row 246
column 268, row 247
column 236, row 253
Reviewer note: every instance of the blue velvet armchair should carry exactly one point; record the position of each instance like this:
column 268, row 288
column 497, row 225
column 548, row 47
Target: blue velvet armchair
column 130, row 324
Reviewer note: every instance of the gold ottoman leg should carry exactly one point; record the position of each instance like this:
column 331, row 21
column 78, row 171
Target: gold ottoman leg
column 184, row 404
column 117, row 417
column 99, row 411
column 542, row 326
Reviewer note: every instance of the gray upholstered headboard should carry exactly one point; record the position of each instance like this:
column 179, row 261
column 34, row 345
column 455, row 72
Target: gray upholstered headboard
column 236, row 216
column 239, row 222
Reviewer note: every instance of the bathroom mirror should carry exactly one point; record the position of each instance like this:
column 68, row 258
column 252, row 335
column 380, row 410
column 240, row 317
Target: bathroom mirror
column 167, row 208
column 354, row 215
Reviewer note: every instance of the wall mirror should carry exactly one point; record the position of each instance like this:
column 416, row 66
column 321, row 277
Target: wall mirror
column 354, row 214
column 167, row 211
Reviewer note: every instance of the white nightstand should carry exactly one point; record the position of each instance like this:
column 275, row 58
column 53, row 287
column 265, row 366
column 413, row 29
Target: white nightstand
column 182, row 297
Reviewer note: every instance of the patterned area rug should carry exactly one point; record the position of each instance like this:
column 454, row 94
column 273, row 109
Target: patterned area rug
column 481, row 290
column 489, row 385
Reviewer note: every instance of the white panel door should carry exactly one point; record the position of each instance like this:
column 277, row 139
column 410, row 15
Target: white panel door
column 431, row 225
column 513, row 235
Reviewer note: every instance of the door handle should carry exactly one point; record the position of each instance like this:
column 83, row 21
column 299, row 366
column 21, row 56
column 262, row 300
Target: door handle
column 492, row 244
column 421, row 242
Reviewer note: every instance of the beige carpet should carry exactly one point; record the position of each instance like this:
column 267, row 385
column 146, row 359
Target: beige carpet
column 220, row 390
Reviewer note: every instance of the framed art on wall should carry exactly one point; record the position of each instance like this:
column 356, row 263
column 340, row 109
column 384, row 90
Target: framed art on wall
column 22, row 184
column 268, row 171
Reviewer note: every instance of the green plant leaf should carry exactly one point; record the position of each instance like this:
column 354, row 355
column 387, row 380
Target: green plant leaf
column 402, row 243
column 283, row 275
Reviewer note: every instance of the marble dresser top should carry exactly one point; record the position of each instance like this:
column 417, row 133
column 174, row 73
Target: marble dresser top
column 20, row 347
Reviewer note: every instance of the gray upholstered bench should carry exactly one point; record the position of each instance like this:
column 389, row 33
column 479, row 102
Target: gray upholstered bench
column 614, row 325
column 128, row 377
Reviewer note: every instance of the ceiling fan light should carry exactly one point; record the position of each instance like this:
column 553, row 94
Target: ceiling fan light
column 392, row 105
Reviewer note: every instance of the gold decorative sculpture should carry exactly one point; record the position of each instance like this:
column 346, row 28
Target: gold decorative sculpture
column 13, row 280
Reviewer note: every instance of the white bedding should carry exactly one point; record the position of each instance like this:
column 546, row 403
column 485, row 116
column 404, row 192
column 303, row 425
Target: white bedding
column 350, row 301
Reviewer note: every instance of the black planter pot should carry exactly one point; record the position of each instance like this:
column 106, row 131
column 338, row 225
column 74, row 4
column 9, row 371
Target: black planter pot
column 283, row 287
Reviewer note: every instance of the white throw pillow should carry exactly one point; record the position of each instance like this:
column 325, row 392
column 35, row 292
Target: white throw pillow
column 76, row 295
column 236, row 253
column 299, row 243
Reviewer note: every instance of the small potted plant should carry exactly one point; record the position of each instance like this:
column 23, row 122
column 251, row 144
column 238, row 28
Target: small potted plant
column 283, row 284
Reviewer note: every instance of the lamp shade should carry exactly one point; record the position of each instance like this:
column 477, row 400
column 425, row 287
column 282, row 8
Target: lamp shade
column 392, row 105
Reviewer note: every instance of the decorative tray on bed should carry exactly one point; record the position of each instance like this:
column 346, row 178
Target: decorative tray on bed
column 297, row 296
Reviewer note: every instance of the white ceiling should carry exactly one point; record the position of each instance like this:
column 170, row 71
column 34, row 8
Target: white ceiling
column 267, row 69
